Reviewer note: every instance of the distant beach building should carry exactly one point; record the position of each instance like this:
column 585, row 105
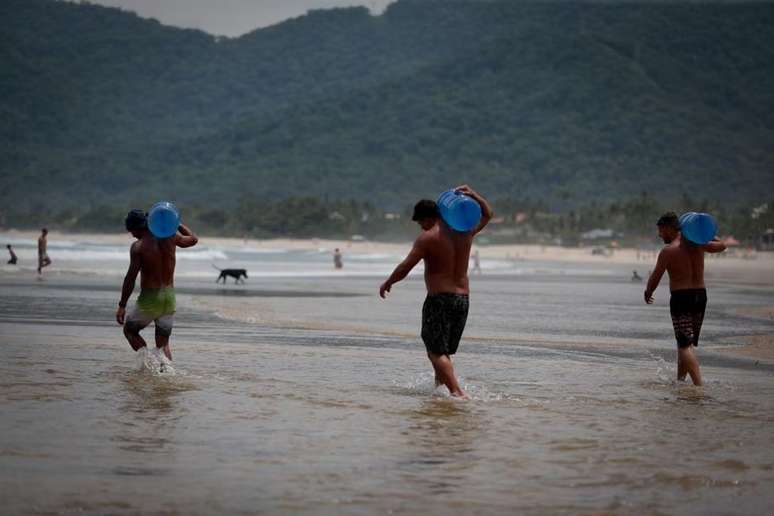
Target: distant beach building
column 336, row 216
column 598, row 234
column 766, row 240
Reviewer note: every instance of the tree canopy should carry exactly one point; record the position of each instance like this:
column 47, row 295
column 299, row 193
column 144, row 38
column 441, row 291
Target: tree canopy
column 564, row 103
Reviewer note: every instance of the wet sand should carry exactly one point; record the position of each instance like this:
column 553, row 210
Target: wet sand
column 309, row 395
column 315, row 423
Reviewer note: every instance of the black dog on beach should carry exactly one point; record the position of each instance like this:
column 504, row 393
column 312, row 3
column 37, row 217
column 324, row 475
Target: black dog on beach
column 237, row 274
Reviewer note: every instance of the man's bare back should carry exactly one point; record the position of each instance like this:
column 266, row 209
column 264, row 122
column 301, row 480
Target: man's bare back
column 446, row 255
column 684, row 263
column 156, row 260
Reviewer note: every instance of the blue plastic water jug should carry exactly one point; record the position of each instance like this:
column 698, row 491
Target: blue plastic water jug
column 163, row 219
column 699, row 228
column 459, row 211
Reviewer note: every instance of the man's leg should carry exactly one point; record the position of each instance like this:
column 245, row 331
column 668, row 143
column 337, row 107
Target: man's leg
column 132, row 334
column 163, row 332
column 690, row 364
column 134, row 323
column 683, row 326
column 444, row 371
column 162, row 343
column 438, row 374
column 681, row 370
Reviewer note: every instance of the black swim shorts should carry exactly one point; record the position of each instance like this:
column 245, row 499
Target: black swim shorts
column 687, row 310
column 443, row 321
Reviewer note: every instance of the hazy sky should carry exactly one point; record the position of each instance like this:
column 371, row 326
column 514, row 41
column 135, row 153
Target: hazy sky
column 230, row 17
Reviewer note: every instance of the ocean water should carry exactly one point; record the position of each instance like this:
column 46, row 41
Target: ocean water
column 303, row 392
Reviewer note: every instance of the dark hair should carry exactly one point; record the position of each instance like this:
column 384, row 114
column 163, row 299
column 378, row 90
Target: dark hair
column 425, row 209
column 136, row 219
column 669, row 219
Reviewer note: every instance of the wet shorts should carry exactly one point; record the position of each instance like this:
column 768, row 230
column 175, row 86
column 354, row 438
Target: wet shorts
column 443, row 321
column 687, row 309
column 154, row 304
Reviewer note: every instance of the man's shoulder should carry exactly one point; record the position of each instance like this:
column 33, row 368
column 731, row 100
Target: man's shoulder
column 667, row 252
column 671, row 247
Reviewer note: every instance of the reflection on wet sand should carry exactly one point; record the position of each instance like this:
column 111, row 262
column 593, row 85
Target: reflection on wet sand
column 148, row 417
column 272, row 419
column 441, row 436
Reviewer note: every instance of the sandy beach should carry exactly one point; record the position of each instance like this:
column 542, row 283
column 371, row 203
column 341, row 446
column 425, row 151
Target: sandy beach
column 729, row 269
column 730, row 266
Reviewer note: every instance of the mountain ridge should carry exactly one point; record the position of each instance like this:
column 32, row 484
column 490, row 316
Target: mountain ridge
column 567, row 103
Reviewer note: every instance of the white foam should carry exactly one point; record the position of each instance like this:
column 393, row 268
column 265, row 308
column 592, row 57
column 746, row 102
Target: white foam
column 665, row 372
column 154, row 362
column 425, row 384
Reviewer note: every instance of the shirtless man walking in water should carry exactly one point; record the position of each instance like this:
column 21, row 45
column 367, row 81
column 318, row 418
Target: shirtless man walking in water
column 155, row 259
column 684, row 262
column 43, row 259
column 446, row 253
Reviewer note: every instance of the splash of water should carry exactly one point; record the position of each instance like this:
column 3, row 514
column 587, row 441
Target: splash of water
column 424, row 384
column 154, row 362
column 665, row 372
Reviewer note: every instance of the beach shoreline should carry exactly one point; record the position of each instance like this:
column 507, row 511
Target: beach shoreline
column 726, row 270
column 732, row 266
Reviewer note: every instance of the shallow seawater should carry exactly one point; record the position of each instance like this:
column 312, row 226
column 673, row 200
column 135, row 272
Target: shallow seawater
column 281, row 402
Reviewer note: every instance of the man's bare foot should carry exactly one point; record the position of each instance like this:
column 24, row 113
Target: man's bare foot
column 460, row 395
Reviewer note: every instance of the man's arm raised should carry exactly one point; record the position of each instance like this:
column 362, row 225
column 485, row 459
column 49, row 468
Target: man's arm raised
column 714, row 246
column 655, row 276
column 486, row 209
column 185, row 237
column 403, row 268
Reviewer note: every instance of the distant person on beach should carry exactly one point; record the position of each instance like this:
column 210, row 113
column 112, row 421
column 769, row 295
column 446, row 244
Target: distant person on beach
column 154, row 259
column 684, row 262
column 13, row 259
column 43, row 259
column 476, row 262
column 446, row 254
column 635, row 276
column 338, row 262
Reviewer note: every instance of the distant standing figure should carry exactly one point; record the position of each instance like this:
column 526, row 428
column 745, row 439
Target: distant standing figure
column 43, row 259
column 476, row 262
column 446, row 254
column 684, row 262
column 635, row 276
column 337, row 259
column 154, row 260
column 13, row 259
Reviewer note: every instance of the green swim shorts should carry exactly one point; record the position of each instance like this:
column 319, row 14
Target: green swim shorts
column 157, row 302
column 153, row 304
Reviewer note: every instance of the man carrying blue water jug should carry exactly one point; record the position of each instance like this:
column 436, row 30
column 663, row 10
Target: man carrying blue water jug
column 153, row 256
column 444, row 245
column 687, row 239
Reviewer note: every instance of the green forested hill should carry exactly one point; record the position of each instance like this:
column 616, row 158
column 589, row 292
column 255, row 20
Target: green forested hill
column 565, row 103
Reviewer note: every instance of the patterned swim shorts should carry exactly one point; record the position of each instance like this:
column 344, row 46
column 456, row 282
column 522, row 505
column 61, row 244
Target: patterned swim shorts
column 443, row 321
column 687, row 310
column 153, row 305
